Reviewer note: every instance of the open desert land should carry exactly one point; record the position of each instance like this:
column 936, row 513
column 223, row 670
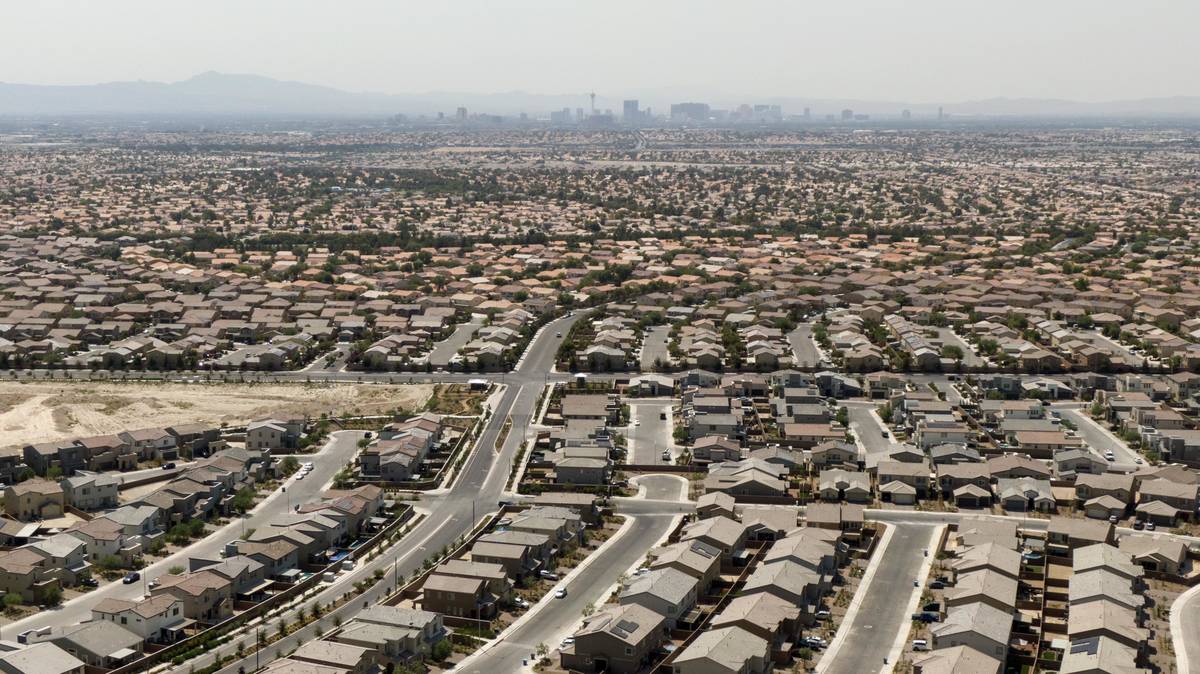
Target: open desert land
column 43, row 412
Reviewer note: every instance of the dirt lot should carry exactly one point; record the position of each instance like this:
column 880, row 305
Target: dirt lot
column 42, row 412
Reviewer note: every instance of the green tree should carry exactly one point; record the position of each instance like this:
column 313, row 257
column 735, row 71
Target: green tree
column 244, row 500
column 289, row 465
column 441, row 650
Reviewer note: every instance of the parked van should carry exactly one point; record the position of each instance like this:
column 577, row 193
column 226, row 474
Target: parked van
column 920, row 645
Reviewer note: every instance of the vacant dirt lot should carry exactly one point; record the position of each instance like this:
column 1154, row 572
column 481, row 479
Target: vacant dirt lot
column 41, row 412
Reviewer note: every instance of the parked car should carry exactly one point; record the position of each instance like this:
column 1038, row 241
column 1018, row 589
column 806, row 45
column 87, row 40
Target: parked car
column 937, row 585
column 1149, row 526
column 1139, row 525
column 666, row 455
column 920, row 645
column 823, row 615
column 131, row 578
column 168, row 466
column 932, row 606
column 548, row 575
column 926, row 616
column 560, row 593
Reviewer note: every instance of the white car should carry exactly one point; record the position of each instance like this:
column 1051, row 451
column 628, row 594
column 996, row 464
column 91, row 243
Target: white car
column 560, row 593
column 300, row 475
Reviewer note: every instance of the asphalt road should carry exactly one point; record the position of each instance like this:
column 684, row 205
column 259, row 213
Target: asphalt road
column 869, row 432
column 132, row 475
column 552, row 619
column 970, row 358
column 444, row 350
column 1185, row 616
column 654, row 347
column 804, row 349
column 884, row 608
column 326, row 463
column 474, row 494
column 648, row 434
column 1100, row 439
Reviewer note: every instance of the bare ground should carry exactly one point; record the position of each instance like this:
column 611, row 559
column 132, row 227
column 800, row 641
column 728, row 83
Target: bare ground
column 47, row 411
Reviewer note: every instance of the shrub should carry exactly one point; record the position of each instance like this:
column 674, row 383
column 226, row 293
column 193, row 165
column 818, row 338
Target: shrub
column 441, row 650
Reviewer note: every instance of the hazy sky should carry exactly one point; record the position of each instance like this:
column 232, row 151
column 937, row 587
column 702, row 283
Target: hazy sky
column 910, row 50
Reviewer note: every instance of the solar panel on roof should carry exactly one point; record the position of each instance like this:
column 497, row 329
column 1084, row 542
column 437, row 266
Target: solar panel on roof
column 1089, row 646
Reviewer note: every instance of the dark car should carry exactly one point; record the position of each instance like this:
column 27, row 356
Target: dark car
column 937, row 585
column 88, row 582
column 168, row 466
column 926, row 616
column 931, row 606
column 131, row 578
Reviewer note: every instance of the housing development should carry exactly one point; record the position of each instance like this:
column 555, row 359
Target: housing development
column 726, row 394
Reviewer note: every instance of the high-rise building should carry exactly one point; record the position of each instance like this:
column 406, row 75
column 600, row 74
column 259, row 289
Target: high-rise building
column 461, row 113
column 941, row 115
column 690, row 111
column 906, row 114
column 847, row 114
column 807, row 113
column 630, row 110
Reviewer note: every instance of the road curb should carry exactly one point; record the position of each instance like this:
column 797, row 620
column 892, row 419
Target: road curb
column 856, row 601
column 913, row 600
column 548, row 597
column 1178, row 636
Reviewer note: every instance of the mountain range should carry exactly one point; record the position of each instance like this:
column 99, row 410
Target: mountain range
column 213, row 93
